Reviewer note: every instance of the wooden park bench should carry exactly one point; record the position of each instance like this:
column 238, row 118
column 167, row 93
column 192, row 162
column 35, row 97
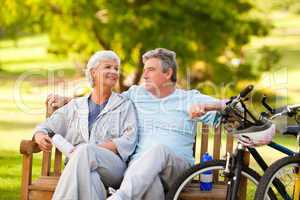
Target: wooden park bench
column 44, row 186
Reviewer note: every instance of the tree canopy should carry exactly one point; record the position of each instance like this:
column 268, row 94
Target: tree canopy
column 197, row 30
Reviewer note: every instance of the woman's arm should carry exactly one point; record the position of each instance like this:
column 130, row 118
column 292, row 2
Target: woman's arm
column 56, row 123
column 126, row 143
column 43, row 140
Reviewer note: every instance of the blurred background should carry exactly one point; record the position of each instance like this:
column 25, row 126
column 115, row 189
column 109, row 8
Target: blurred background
column 221, row 46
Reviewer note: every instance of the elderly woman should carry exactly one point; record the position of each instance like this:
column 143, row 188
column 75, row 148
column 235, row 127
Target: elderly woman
column 103, row 128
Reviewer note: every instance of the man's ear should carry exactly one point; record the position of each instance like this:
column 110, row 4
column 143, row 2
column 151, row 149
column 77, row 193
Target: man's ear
column 169, row 73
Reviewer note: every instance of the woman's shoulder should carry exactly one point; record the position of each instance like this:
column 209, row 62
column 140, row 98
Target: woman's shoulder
column 77, row 100
column 121, row 98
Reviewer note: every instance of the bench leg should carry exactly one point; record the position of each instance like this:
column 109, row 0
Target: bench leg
column 26, row 176
column 243, row 191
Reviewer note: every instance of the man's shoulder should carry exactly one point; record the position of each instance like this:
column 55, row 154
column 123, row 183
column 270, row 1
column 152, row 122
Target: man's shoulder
column 134, row 89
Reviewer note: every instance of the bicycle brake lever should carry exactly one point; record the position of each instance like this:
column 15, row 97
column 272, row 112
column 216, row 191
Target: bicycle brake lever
column 266, row 105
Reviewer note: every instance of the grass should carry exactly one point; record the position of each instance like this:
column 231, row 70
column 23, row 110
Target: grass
column 22, row 107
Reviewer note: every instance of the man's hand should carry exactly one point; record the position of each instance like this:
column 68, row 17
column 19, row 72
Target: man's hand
column 43, row 140
column 56, row 101
column 199, row 110
column 232, row 123
column 233, row 119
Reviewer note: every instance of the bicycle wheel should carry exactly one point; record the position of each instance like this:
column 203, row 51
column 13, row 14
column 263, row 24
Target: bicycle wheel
column 286, row 170
column 187, row 186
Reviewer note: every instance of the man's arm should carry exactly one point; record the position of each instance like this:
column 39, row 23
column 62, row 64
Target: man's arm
column 57, row 101
column 196, row 98
column 198, row 110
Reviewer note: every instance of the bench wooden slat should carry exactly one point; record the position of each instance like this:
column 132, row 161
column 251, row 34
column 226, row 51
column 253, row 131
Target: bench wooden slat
column 57, row 162
column 229, row 143
column 43, row 188
column 217, row 142
column 46, row 163
column 44, row 195
column 45, row 183
column 194, row 193
column 204, row 139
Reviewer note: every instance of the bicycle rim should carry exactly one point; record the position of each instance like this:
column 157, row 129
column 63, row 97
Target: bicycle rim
column 288, row 175
column 219, row 168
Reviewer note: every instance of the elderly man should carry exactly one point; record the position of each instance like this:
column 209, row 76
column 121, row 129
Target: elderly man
column 166, row 131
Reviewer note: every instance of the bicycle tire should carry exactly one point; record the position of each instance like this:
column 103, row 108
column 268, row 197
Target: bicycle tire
column 270, row 175
column 184, row 178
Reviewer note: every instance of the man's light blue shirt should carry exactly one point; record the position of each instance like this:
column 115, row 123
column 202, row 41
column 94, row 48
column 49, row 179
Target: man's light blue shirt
column 166, row 120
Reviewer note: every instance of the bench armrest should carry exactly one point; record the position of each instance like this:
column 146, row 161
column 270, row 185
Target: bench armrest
column 29, row 147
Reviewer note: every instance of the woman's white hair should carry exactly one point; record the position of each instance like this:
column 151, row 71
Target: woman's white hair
column 97, row 58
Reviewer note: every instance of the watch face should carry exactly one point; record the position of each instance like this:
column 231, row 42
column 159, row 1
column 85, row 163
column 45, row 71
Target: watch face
column 51, row 134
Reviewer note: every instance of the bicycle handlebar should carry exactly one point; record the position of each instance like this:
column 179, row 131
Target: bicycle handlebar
column 289, row 110
column 246, row 91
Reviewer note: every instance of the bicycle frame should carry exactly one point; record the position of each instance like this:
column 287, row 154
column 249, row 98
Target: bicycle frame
column 236, row 167
column 259, row 160
column 297, row 184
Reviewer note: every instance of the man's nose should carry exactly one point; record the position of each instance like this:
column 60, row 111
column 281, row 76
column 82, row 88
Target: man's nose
column 145, row 75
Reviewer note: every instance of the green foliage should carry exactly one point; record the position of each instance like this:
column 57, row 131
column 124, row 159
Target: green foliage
column 265, row 60
column 195, row 29
column 245, row 71
column 268, row 58
column 21, row 17
column 286, row 5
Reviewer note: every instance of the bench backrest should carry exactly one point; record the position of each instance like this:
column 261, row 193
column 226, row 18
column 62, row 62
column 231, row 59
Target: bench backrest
column 210, row 139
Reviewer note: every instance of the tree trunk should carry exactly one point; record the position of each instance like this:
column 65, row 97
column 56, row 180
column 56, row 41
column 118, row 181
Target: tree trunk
column 122, row 86
column 139, row 71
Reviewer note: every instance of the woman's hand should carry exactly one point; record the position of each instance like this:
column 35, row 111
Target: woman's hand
column 43, row 140
column 110, row 146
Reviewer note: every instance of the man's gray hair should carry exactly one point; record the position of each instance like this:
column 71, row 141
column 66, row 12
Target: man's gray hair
column 97, row 58
column 167, row 60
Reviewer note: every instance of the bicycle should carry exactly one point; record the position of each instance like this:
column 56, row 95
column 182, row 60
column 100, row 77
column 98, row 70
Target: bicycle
column 286, row 169
column 232, row 169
